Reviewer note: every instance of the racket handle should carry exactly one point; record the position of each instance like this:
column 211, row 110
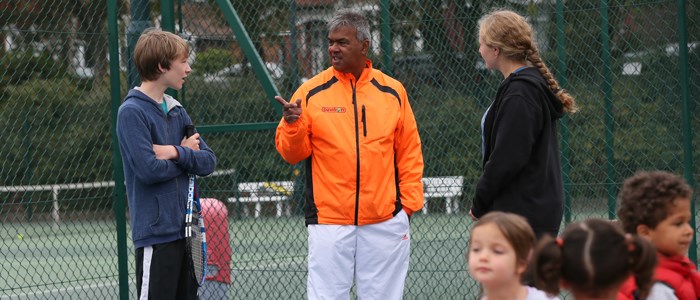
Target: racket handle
column 189, row 130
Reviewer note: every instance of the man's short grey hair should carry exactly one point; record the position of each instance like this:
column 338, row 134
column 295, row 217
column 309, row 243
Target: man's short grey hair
column 349, row 18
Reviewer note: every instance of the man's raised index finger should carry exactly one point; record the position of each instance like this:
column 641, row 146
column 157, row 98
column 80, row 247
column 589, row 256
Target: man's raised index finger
column 281, row 101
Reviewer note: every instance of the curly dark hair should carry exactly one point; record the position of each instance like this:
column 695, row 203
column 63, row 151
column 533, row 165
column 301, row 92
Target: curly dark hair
column 646, row 196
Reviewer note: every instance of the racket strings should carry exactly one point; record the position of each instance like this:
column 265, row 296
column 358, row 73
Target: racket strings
column 195, row 233
column 195, row 244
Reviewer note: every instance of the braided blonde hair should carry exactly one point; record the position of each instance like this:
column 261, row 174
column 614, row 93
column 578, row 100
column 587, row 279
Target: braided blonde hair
column 510, row 32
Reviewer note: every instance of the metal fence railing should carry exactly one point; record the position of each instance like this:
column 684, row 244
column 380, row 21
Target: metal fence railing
column 65, row 67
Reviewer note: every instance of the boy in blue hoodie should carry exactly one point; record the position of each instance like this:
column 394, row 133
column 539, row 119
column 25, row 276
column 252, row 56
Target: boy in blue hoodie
column 157, row 159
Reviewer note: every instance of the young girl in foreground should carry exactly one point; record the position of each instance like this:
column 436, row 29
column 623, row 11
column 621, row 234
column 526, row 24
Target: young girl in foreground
column 499, row 247
column 592, row 259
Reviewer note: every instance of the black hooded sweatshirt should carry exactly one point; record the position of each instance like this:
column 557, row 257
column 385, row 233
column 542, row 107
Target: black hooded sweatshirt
column 521, row 162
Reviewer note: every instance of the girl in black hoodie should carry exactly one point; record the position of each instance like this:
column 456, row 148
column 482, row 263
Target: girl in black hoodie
column 520, row 148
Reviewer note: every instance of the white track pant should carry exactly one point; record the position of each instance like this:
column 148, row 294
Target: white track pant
column 375, row 255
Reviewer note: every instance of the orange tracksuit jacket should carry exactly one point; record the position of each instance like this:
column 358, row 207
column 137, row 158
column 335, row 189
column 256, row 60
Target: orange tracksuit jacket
column 361, row 145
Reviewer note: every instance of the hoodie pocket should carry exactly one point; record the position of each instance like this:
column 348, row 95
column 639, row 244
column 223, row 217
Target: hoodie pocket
column 169, row 214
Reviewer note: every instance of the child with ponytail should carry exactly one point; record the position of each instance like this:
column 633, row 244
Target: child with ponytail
column 592, row 259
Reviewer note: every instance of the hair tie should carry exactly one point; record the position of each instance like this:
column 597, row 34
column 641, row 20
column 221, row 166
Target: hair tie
column 560, row 242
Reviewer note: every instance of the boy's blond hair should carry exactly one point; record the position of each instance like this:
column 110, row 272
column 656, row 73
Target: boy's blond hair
column 156, row 49
column 645, row 198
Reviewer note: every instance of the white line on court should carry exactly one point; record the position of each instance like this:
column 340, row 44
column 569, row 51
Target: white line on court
column 51, row 291
column 279, row 263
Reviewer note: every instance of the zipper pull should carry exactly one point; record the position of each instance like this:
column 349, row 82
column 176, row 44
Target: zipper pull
column 364, row 121
column 353, row 92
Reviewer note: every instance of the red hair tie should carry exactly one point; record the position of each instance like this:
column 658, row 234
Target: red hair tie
column 559, row 242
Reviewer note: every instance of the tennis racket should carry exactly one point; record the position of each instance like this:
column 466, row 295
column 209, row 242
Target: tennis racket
column 195, row 232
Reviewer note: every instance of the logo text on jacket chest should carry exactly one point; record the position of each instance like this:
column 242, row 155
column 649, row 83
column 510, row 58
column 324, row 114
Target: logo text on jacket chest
column 336, row 110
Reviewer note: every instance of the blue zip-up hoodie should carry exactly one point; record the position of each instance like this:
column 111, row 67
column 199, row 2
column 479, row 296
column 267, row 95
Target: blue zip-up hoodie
column 157, row 189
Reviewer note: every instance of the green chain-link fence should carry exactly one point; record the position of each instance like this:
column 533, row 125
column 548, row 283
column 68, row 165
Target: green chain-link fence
column 65, row 68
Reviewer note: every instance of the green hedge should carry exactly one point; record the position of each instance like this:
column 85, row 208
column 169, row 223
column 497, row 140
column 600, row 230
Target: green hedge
column 62, row 129
column 213, row 59
column 20, row 66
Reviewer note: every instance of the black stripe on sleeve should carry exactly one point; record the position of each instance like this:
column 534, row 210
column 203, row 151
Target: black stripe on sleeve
column 320, row 88
column 386, row 89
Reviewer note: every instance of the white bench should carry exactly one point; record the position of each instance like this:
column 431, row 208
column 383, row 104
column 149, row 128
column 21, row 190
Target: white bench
column 259, row 192
column 448, row 187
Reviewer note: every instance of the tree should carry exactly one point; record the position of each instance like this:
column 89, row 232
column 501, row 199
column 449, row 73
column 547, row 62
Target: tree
column 59, row 27
column 262, row 18
column 449, row 30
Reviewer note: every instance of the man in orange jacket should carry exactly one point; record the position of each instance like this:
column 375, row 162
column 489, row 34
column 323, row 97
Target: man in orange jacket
column 354, row 129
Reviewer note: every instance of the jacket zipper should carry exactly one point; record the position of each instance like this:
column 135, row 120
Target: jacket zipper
column 167, row 133
column 357, row 149
column 165, row 117
column 364, row 121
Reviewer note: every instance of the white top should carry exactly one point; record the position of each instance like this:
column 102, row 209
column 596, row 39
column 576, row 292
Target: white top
column 535, row 294
column 660, row 291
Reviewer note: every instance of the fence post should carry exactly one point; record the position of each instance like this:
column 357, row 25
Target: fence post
column 55, row 208
column 385, row 41
column 167, row 23
column 167, row 15
column 246, row 44
column 687, row 128
column 609, row 121
column 294, row 75
column 140, row 20
column 118, row 192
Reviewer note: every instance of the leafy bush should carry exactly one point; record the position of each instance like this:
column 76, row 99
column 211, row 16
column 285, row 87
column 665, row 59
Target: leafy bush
column 213, row 59
column 60, row 132
column 20, row 66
